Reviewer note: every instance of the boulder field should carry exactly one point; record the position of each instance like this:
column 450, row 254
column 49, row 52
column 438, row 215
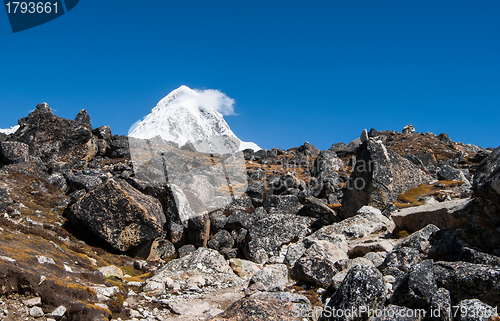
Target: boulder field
column 392, row 226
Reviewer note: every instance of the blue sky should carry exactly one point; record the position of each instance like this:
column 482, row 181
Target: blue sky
column 317, row 71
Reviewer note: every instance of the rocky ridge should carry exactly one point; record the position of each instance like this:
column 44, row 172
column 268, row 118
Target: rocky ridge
column 392, row 222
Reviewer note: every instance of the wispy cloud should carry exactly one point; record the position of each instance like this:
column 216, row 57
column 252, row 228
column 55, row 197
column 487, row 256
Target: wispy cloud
column 215, row 99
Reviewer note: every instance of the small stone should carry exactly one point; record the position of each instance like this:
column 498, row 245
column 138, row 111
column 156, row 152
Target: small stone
column 33, row 302
column 44, row 259
column 110, row 271
column 58, row 312
column 36, row 312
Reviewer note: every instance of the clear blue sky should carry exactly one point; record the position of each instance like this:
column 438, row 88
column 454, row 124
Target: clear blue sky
column 317, row 71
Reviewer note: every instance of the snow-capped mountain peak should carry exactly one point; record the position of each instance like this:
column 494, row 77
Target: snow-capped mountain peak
column 187, row 115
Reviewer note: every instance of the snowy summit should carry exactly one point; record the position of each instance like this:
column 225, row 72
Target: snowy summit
column 187, row 115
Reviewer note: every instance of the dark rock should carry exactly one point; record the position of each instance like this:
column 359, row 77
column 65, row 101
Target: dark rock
column 417, row 287
column 186, row 250
column 256, row 189
column 481, row 233
column 306, row 149
column 103, row 132
column 373, row 133
column 198, row 230
column 44, row 108
column 282, row 204
column 419, row 240
column 317, row 264
column 120, row 153
column 217, row 221
column 379, row 176
column 102, row 147
column 327, row 163
column 58, row 180
column 283, row 306
column 166, row 250
column 83, row 117
column 119, row 214
column 11, row 151
column 119, row 147
column 76, row 195
column 222, row 239
column 78, row 180
column 402, row 259
column 267, row 235
column 239, row 236
column 56, row 139
column 317, row 209
column 362, row 287
column 443, row 137
column 479, row 156
column 447, row 172
column 239, row 219
column 5, row 200
column 487, row 183
column 440, row 308
column 340, row 149
column 176, row 234
column 468, row 281
column 475, row 310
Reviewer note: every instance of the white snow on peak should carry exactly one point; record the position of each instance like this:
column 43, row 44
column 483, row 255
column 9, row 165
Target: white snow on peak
column 9, row 131
column 187, row 115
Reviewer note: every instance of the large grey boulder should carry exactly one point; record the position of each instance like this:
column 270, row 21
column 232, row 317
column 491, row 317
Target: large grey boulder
column 317, row 264
column 283, row 306
column 379, row 176
column 203, row 267
column 362, row 287
column 368, row 221
column 267, row 235
column 11, row 151
column 446, row 215
column 469, row 281
column 271, row 276
column 119, row 214
column 417, row 287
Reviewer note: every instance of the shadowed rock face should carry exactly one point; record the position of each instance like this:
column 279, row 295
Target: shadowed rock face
column 119, row 214
column 487, row 183
column 55, row 139
column 379, row 176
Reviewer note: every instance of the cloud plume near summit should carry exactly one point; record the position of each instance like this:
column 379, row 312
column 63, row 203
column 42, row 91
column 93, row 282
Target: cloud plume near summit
column 215, row 99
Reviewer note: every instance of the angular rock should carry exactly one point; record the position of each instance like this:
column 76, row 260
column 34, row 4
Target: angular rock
column 83, row 117
column 244, row 268
column 77, row 181
column 165, row 250
column 203, row 267
column 271, row 276
column 217, row 221
column 469, row 281
column 475, row 310
column 256, row 189
column 481, row 233
column 317, row 264
column 440, row 308
column 363, row 286
column 419, row 240
column 267, row 235
column 58, row 180
column 317, row 209
column 239, row 219
column 327, row 163
column 119, row 214
column 367, row 221
column 198, row 230
column 11, row 151
column 379, row 176
column 222, row 239
column 53, row 138
column 445, row 215
column 283, row 306
column 103, row 132
column 362, row 249
column 417, row 287
column 186, row 250
column 402, row 258
column 282, row 204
